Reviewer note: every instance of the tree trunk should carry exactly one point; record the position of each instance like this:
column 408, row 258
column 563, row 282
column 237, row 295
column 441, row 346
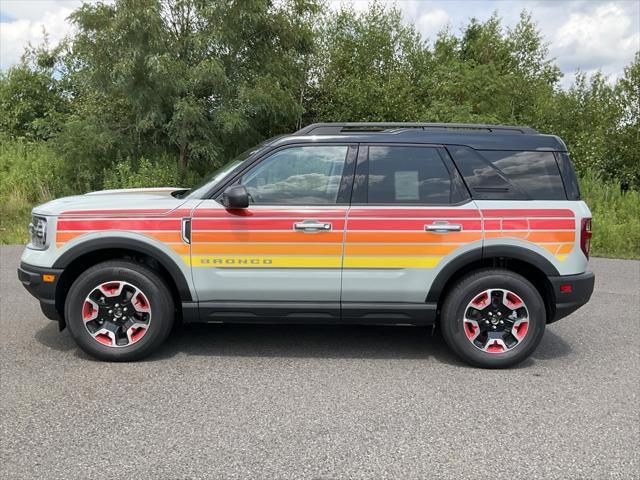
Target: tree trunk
column 183, row 158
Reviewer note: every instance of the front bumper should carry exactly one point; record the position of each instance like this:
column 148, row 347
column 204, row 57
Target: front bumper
column 571, row 292
column 32, row 279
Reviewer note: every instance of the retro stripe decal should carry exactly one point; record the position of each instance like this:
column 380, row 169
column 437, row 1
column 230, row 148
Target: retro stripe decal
column 378, row 237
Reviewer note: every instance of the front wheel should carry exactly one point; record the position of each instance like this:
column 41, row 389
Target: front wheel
column 493, row 318
column 119, row 311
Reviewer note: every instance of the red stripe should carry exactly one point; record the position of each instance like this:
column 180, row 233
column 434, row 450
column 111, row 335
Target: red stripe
column 413, row 212
column 386, row 224
column 120, row 224
column 256, row 213
column 528, row 213
column 530, row 224
column 183, row 212
column 257, row 224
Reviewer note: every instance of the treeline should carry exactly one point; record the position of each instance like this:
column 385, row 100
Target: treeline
column 150, row 91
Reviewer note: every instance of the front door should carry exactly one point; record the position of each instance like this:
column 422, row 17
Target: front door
column 283, row 254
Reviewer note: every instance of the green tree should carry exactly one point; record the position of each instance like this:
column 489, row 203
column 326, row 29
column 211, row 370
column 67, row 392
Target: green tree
column 32, row 101
column 200, row 78
column 368, row 67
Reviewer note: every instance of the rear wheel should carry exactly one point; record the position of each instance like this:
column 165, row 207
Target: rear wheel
column 493, row 318
column 119, row 311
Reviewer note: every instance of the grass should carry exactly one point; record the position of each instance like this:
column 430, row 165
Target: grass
column 616, row 218
column 29, row 175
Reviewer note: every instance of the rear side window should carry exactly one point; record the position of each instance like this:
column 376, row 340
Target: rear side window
column 410, row 175
column 510, row 175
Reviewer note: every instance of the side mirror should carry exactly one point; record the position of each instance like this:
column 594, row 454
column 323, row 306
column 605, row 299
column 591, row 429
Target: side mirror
column 236, row 196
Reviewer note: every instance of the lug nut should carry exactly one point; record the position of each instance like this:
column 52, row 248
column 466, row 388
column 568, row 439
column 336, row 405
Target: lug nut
column 501, row 322
column 487, row 322
column 124, row 309
column 493, row 326
column 110, row 311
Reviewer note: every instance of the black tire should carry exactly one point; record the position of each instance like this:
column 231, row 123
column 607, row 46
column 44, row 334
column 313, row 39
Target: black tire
column 465, row 290
column 151, row 285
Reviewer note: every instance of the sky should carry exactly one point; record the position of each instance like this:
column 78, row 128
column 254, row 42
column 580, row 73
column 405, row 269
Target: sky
column 589, row 35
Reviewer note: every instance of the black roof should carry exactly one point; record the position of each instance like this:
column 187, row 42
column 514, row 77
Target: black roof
column 478, row 136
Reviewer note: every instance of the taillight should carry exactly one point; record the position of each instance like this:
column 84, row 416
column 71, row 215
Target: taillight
column 585, row 236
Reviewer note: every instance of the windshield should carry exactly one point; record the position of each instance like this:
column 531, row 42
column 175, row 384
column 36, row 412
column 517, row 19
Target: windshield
column 201, row 189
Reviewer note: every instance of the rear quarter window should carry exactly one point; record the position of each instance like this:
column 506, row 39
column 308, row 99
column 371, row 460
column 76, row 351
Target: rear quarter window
column 510, row 175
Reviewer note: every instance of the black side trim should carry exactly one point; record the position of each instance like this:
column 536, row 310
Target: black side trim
column 312, row 312
column 389, row 313
column 269, row 312
column 45, row 292
column 449, row 270
column 128, row 244
column 567, row 303
column 519, row 253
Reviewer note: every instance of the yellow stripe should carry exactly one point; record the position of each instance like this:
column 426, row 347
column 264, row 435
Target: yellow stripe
column 391, row 262
column 261, row 261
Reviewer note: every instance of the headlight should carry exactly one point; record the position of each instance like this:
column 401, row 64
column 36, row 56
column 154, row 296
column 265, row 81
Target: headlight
column 38, row 231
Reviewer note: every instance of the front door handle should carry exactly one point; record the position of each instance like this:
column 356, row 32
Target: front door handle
column 311, row 226
column 443, row 227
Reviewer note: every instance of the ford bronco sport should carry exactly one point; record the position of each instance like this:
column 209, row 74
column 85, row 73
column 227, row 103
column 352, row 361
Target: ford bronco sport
column 478, row 229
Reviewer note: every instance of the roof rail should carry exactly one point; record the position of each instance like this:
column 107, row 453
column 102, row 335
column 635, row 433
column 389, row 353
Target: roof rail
column 373, row 127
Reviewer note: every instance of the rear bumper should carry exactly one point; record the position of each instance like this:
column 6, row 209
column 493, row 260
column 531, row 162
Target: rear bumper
column 45, row 292
column 567, row 302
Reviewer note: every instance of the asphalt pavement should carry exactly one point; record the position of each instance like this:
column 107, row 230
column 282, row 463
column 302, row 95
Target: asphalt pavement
column 323, row 402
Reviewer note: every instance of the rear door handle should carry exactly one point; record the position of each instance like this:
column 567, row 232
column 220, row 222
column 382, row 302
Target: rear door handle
column 443, row 227
column 311, row 226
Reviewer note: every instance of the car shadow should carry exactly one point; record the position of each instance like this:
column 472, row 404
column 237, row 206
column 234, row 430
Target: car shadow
column 307, row 341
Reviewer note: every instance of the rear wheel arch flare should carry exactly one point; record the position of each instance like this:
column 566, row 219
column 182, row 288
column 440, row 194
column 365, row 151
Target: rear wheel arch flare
column 530, row 265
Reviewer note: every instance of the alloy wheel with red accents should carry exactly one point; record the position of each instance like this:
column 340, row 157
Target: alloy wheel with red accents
column 116, row 313
column 496, row 320
column 493, row 318
column 119, row 310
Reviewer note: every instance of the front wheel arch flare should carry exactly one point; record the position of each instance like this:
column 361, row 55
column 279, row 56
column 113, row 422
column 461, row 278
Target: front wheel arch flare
column 99, row 245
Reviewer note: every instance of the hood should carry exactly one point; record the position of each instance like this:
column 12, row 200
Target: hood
column 155, row 201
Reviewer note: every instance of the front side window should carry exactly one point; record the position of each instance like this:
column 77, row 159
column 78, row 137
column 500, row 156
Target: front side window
column 297, row 176
column 410, row 175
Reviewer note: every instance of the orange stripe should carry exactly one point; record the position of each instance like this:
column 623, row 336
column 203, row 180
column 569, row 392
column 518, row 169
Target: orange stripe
column 558, row 237
column 558, row 248
column 400, row 249
column 412, row 237
column 167, row 237
column 182, row 249
column 63, row 237
column 265, row 249
column 249, row 236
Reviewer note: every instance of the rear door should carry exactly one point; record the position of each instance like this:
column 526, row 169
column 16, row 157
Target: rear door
column 410, row 216
column 286, row 248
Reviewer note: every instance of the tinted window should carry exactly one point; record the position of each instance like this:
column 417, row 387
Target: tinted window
column 297, row 176
column 569, row 176
column 410, row 175
column 535, row 173
column 509, row 175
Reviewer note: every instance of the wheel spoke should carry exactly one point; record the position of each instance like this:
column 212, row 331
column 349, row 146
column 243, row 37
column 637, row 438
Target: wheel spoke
column 496, row 320
column 116, row 313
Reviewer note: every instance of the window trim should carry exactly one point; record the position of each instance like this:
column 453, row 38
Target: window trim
column 360, row 195
column 344, row 188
